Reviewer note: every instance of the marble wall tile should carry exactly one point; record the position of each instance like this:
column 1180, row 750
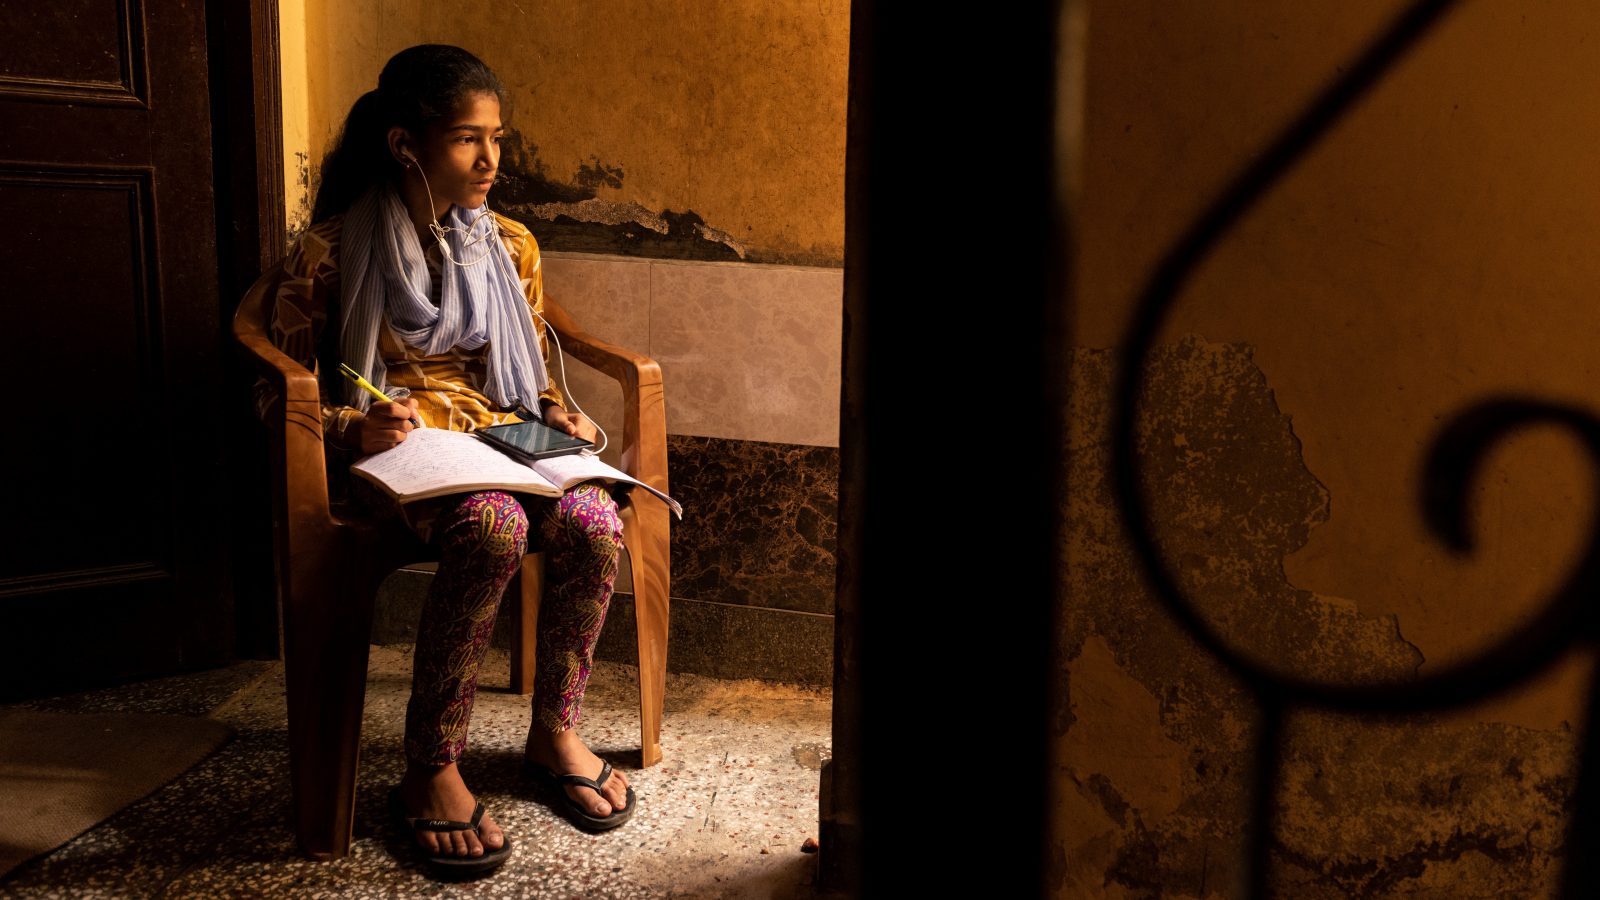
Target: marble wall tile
column 610, row 298
column 760, row 522
column 749, row 352
column 724, row 641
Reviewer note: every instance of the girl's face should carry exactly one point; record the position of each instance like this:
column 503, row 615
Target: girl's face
column 460, row 154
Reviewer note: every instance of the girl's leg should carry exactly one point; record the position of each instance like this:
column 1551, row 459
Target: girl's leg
column 481, row 543
column 482, row 540
column 582, row 535
column 582, row 538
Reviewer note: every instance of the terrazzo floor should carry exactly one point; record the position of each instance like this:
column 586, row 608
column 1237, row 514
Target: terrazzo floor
column 723, row 815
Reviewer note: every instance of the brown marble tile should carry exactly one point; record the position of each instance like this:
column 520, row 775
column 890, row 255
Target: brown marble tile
column 720, row 640
column 759, row 522
column 749, row 352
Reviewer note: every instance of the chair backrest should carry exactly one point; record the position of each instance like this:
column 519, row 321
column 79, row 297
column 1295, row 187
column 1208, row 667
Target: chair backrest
column 306, row 523
column 293, row 417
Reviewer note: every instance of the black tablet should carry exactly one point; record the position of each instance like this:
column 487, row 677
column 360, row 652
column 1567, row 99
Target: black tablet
column 532, row 440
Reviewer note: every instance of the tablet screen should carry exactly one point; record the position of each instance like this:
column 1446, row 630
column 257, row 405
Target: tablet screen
column 534, row 440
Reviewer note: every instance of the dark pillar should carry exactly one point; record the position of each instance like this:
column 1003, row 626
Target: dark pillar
column 952, row 453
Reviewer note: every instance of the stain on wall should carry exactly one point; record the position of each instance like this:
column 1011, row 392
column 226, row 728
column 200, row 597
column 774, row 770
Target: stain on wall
column 571, row 215
column 1421, row 808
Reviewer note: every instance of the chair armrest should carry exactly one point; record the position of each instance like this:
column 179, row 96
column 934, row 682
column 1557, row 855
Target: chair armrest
column 621, row 364
column 296, row 386
column 300, row 477
column 644, row 411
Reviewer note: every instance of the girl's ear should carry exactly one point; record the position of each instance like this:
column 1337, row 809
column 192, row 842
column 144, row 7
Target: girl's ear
column 400, row 146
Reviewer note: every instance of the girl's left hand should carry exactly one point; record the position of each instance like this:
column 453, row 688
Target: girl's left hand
column 576, row 424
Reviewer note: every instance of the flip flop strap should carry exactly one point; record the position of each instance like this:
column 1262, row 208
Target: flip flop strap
column 591, row 783
column 448, row 824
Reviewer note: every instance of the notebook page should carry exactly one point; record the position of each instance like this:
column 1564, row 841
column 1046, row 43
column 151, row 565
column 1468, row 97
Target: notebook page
column 433, row 459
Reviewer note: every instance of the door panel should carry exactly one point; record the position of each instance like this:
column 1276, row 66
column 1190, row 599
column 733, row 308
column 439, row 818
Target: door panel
column 114, row 562
column 88, row 280
column 83, row 51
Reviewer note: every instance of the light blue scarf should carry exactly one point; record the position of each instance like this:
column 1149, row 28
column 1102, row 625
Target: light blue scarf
column 385, row 274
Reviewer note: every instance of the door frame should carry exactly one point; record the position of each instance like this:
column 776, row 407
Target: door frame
column 245, row 87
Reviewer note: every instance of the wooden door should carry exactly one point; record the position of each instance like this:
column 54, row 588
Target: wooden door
column 113, row 555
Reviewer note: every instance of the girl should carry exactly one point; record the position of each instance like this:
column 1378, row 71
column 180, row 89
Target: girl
column 409, row 278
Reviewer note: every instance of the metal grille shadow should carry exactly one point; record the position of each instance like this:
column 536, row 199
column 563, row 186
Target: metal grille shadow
column 1454, row 458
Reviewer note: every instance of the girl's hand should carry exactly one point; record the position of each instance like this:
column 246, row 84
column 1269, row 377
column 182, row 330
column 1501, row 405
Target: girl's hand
column 575, row 424
column 385, row 425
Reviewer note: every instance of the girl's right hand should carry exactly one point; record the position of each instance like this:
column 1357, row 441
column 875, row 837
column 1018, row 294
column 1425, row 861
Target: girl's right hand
column 385, row 425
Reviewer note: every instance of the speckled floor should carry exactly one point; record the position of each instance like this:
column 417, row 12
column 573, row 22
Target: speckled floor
column 722, row 816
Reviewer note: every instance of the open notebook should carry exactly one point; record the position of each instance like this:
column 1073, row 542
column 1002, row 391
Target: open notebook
column 432, row 462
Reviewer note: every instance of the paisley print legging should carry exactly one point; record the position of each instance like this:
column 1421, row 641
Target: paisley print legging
column 481, row 539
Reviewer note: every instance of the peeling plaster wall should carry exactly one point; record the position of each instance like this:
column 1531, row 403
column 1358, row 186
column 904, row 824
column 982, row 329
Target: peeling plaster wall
column 1436, row 249
column 726, row 115
column 1155, row 738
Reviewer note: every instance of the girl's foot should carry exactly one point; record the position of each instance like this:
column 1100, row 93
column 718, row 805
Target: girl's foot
column 437, row 792
column 565, row 754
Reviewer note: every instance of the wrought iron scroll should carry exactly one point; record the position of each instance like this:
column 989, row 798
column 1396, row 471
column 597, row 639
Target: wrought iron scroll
column 1450, row 466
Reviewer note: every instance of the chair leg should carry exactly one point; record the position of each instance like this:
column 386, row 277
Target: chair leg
column 327, row 630
column 645, row 532
column 524, row 593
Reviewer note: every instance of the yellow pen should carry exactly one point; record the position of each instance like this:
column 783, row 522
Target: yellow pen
column 366, row 385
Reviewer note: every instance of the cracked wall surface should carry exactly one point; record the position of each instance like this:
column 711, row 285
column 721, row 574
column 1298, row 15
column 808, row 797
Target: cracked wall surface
column 1155, row 739
column 1436, row 248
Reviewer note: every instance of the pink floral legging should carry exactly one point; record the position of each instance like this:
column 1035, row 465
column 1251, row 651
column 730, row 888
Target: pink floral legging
column 482, row 538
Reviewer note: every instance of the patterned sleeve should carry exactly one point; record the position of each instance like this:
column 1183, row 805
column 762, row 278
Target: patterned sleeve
column 300, row 315
column 526, row 251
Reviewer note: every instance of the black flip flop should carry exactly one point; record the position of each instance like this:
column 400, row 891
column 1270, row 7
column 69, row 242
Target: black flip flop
column 451, row 867
column 574, row 810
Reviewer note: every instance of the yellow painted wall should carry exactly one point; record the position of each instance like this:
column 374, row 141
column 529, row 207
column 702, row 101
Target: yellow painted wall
column 735, row 110
column 296, row 106
column 1439, row 247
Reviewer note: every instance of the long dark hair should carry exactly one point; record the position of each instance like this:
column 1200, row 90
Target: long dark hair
column 418, row 86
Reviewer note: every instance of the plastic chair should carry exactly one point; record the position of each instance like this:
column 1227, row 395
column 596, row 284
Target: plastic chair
column 330, row 563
